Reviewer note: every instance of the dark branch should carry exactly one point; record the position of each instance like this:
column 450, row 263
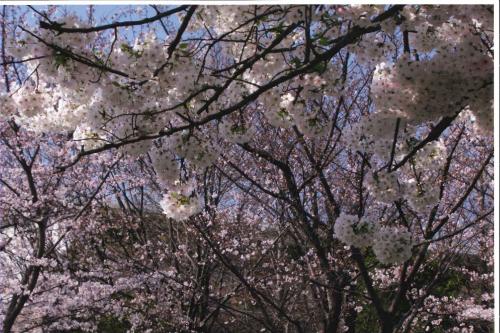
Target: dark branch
column 59, row 27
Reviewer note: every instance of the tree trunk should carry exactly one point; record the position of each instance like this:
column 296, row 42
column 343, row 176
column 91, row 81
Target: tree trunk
column 387, row 325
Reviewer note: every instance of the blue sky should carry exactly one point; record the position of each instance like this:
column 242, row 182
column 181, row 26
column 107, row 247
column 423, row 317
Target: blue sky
column 103, row 14
column 102, row 11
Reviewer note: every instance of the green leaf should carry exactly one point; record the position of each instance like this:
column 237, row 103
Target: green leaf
column 60, row 59
column 324, row 41
column 296, row 62
column 320, row 68
column 130, row 51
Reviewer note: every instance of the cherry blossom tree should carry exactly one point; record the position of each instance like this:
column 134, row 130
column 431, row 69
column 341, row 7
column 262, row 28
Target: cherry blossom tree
column 258, row 168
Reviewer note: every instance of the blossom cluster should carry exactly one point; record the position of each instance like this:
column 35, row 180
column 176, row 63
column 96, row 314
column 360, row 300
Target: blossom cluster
column 254, row 126
column 391, row 245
